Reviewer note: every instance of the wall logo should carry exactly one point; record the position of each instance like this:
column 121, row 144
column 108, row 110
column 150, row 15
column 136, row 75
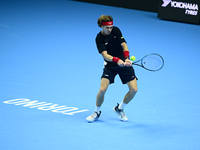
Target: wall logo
column 190, row 9
column 166, row 2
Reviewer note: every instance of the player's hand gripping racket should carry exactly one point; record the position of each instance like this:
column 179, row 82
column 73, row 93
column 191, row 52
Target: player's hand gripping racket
column 151, row 62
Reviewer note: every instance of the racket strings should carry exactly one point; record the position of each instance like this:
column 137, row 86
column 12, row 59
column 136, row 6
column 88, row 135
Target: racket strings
column 152, row 62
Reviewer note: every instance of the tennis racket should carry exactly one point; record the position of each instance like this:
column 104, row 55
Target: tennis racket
column 151, row 62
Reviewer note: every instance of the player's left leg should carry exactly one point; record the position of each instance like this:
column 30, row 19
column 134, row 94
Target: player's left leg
column 119, row 109
column 132, row 91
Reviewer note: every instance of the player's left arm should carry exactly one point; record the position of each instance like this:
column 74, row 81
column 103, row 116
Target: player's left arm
column 124, row 46
column 126, row 54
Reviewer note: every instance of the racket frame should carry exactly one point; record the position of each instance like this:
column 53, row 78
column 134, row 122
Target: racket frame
column 141, row 64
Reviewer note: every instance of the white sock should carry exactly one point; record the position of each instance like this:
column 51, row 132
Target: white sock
column 97, row 109
column 122, row 105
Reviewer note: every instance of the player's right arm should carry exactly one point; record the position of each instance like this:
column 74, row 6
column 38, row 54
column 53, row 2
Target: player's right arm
column 109, row 58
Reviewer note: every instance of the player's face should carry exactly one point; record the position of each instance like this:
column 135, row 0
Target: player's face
column 107, row 29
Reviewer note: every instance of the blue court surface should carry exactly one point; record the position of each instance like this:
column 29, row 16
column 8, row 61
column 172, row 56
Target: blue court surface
column 50, row 75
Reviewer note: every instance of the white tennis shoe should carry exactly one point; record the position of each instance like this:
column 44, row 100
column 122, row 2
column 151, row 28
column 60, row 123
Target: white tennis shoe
column 120, row 113
column 95, row 116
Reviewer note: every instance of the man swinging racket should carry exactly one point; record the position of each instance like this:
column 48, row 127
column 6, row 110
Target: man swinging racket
column 112, row 46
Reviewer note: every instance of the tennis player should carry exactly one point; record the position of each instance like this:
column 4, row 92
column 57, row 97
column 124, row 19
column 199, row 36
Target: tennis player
column 112, row 46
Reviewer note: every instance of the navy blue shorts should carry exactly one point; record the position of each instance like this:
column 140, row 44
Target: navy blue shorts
column 126, row 74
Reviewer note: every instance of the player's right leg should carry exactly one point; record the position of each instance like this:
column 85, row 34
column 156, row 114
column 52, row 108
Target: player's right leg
column 99, row 100
column 103, row 87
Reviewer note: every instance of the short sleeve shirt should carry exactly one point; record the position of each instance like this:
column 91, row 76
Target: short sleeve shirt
column 111, row 43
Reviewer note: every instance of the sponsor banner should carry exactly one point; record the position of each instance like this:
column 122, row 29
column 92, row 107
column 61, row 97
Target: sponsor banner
column 180, row 10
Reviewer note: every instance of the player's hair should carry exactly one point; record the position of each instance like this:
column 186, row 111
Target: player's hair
column 104, row 18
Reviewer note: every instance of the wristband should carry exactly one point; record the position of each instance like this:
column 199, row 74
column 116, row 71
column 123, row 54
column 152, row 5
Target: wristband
column 115, row 59
column 126, row 54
